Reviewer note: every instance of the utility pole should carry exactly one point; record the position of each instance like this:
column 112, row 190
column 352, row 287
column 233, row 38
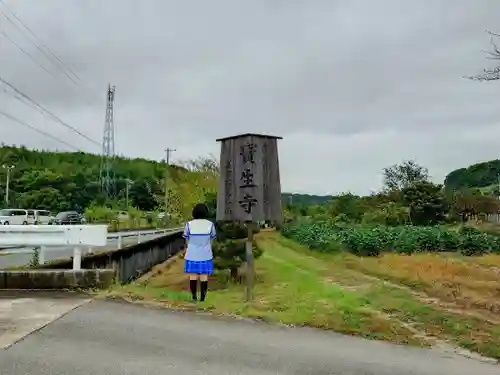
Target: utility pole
column 168, row 151
column 7, row 182
column 127, row 186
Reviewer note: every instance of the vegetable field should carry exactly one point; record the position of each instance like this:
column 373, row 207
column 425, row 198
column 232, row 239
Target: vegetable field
column 372, row 240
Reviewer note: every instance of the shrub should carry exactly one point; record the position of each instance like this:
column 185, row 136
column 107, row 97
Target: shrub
column 364, row 240
column 317, row 236
column 229, row 248
column 100, row 214
column 137, row 219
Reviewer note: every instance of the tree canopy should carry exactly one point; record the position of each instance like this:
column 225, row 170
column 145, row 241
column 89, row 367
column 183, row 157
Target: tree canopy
column 478, row 175
column 404, row 175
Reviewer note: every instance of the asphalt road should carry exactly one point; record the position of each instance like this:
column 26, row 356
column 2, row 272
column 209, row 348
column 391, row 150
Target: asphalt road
column 18, row 257
column 113, row 338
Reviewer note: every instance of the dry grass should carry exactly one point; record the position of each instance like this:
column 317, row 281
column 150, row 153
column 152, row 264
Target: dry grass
column 464, row 282
column 490, row 260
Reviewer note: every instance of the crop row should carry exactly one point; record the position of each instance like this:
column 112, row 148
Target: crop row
column 372, row 240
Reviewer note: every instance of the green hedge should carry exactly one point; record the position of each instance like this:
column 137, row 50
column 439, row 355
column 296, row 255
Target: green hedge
column 372, row 240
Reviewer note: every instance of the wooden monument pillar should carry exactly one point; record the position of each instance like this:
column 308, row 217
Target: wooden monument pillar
column 249, row 186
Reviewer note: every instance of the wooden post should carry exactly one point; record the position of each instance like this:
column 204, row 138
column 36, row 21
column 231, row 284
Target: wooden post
column 250, row 271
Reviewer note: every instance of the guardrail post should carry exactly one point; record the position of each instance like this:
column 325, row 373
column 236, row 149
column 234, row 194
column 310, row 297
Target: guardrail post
column 77, row 258
column 41, row 255
column 119, row 241
column 139, row 237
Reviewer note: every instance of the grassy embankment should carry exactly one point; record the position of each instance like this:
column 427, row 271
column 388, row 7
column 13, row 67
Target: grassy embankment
column 423, row 299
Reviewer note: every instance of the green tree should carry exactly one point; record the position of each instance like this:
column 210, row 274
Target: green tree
column 426, row 203
column 141, row 196
column 478, row 175
column 390, row 214
column 348, row 204
column 404, row 175
column 229, row 248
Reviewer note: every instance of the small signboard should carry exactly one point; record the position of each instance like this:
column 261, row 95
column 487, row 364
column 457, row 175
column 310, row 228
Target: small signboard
column 249, row 186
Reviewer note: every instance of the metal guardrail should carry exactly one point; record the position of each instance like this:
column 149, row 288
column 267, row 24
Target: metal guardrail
column 137, row 234
column 77, row 254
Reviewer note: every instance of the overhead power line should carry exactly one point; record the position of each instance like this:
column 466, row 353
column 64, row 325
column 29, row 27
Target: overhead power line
column 45, row 110
column 54, row 59
column 43, row 45
column 45, row 134
column 26, row 53
column 33, row 34
column 58, row 63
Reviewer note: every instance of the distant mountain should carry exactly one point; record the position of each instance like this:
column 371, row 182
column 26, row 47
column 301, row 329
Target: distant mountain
column 304, row 199
column 478, row 175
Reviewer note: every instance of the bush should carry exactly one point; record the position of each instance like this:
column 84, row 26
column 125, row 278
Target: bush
column 229, row 248
column 137, row 219
column 389, row 214
column 100, row 214
column 364, row 240
column 317, row 236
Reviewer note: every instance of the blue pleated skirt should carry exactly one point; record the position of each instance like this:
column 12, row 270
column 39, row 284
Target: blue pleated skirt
column 204, row 267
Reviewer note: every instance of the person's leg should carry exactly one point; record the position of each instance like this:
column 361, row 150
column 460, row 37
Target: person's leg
column 191, row 270
column 203, row 287
column 193, row 285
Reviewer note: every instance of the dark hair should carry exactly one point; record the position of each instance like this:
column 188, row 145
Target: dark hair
column 200, row 211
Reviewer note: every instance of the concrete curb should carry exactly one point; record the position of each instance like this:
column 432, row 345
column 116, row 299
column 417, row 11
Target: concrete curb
column 56, row 279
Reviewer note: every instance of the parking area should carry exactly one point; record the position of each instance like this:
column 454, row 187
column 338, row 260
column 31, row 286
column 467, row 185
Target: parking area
column 22, row 313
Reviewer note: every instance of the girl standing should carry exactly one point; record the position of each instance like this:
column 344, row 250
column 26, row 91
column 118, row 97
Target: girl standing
column 198, row 261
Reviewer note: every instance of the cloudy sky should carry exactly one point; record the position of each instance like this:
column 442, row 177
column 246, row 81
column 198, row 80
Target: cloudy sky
column 351, row 86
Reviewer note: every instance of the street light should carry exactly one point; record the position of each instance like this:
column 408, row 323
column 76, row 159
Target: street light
column 7, row 183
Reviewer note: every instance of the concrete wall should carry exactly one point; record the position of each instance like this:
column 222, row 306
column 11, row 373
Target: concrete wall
column 130, row 262
column 56, row 279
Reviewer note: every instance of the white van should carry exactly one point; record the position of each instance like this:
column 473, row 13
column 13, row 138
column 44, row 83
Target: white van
column 39, row 217
column 13, row 216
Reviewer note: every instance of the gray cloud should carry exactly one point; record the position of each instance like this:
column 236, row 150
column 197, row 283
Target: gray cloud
column 352, row 86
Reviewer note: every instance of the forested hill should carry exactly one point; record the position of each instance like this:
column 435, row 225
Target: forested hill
column 60, row 181
column 305, row 199
column 475, row 176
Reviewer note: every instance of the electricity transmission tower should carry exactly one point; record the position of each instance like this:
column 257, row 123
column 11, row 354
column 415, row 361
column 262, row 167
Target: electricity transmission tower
column 107, row 175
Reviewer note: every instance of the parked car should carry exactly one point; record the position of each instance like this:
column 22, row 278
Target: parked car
column 13, row 216
column 40, row 217
column 68, row 218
